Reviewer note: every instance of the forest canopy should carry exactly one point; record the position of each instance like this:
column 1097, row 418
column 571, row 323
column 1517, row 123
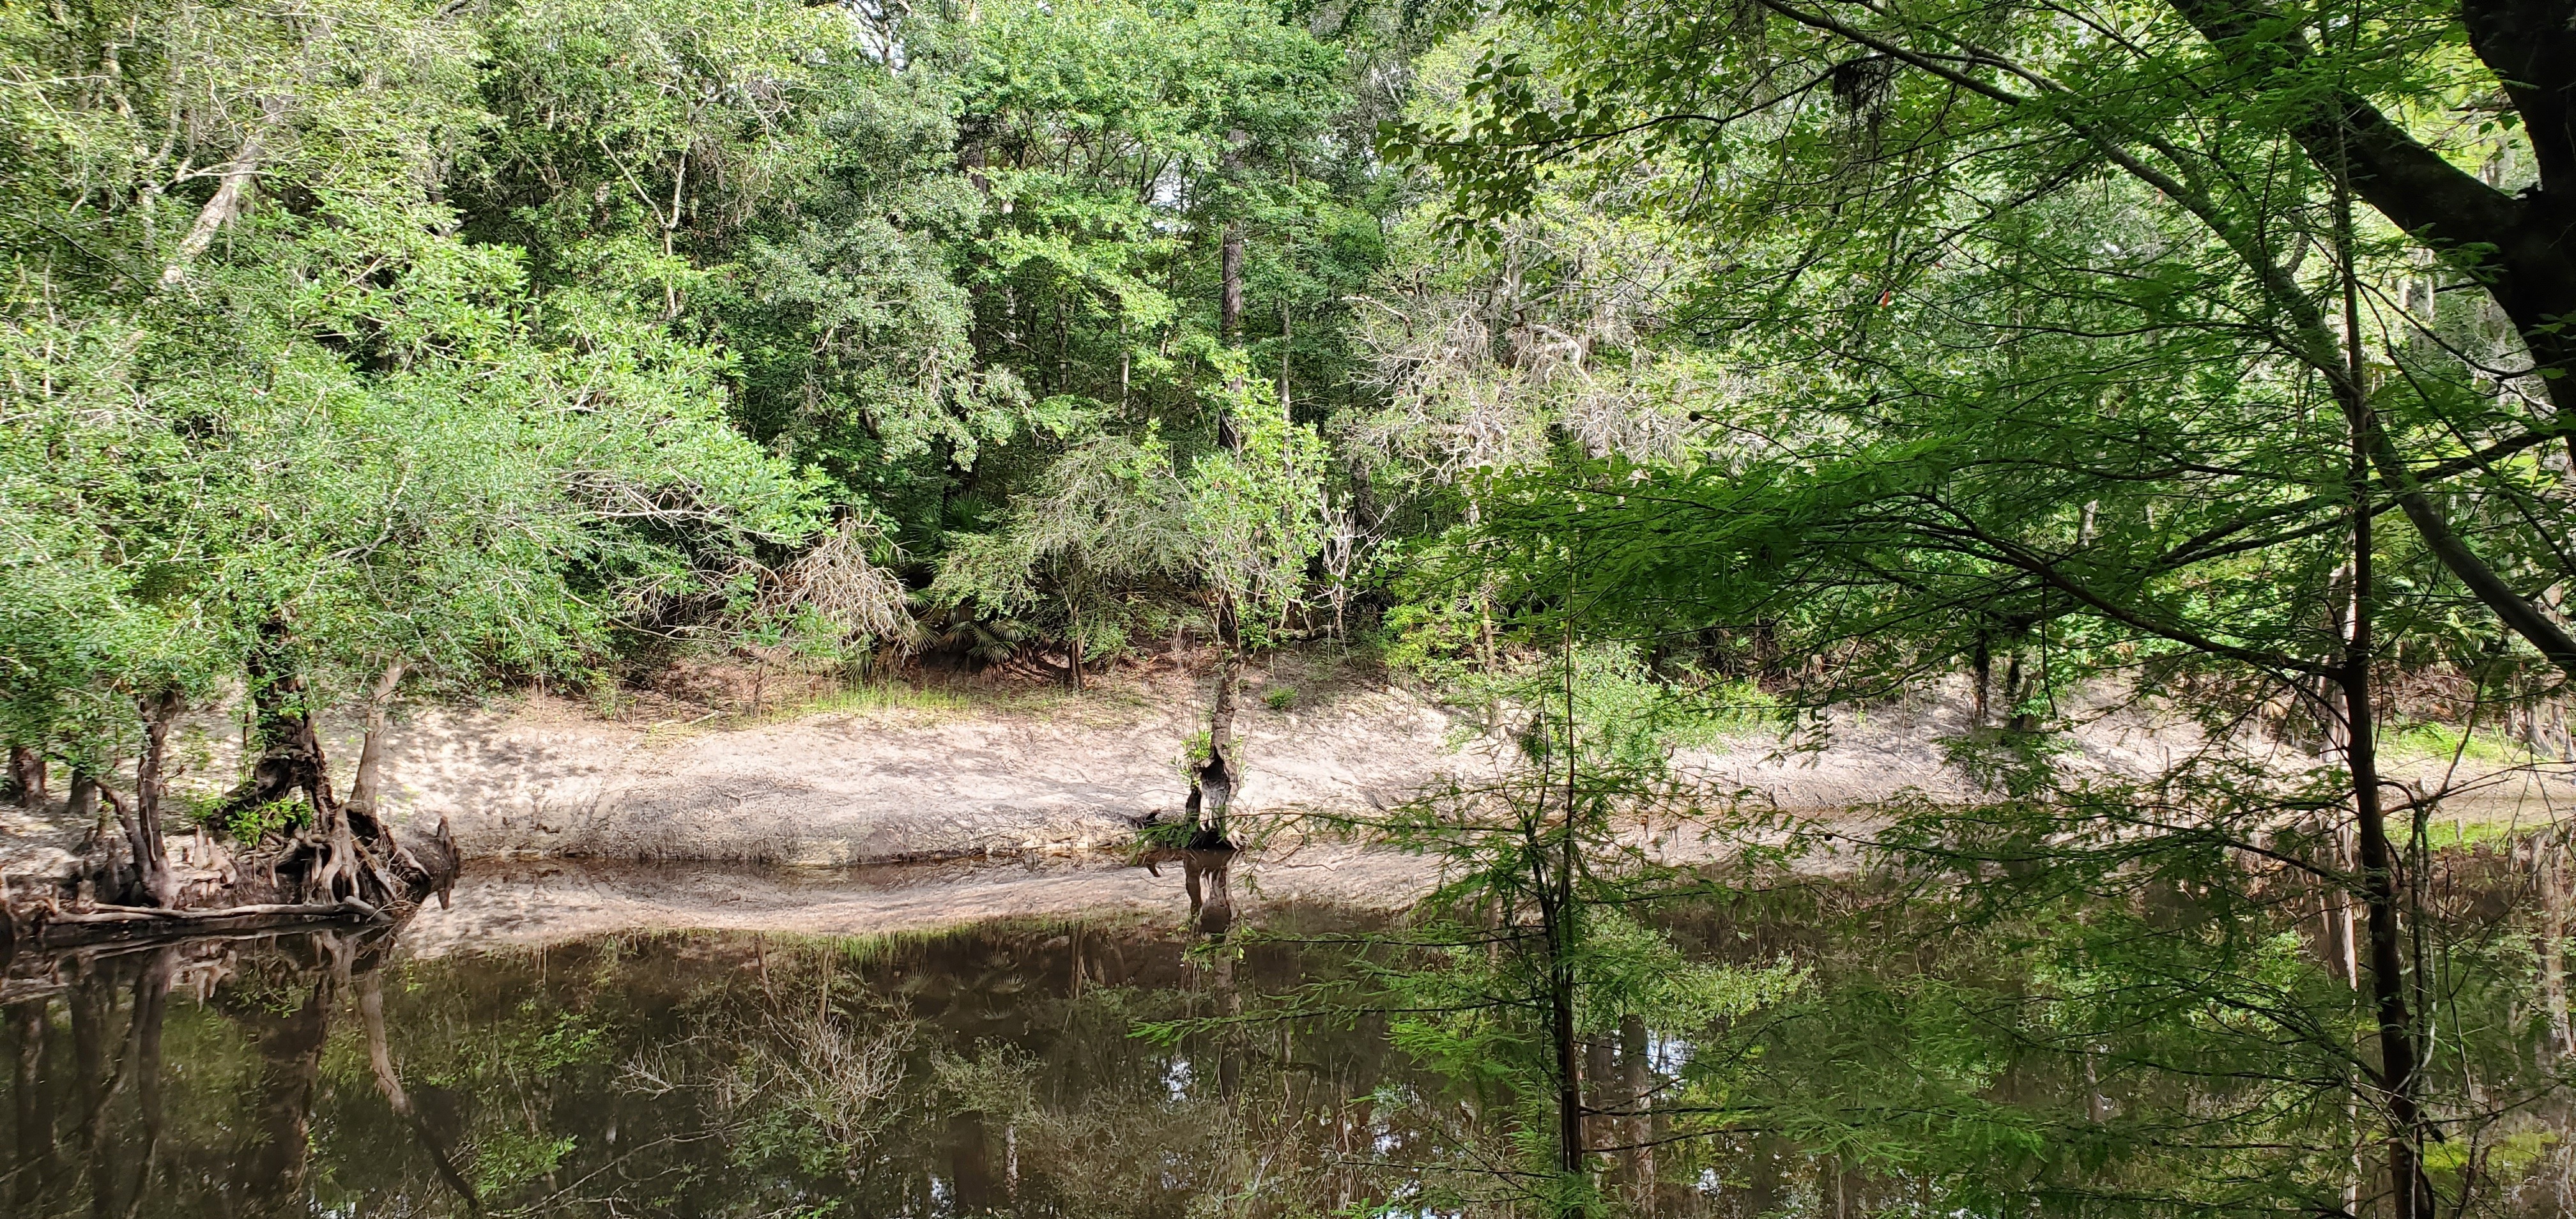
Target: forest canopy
column 510, row 342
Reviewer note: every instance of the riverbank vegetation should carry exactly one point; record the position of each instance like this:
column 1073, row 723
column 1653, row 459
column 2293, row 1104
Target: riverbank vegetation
column 1604, row 364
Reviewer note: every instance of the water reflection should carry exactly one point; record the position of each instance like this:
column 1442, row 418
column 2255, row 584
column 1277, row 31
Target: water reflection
column 187, row 1078
column 985, row 1072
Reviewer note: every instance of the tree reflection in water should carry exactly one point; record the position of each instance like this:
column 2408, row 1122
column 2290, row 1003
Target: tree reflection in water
column 989, row 1071
column 106, row 1121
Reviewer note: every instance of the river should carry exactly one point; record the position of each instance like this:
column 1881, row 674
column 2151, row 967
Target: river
column 995, row 1069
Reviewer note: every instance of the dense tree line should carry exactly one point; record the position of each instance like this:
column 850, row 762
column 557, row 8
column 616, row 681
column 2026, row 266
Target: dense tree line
column 357, row 350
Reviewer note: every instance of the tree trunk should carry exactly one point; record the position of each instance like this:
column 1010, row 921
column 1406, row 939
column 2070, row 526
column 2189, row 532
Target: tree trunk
column 146, row 881
column 1212, row 785
column 151, row 853
column 1984, row 664
column 2334, row 910
column 83, row 804
column 380, row 1059
column 1601, row 1073
column 1569, row 1063
column 33, row 1108
column 2550, row 874
column 1212, row 789
column 1207, row 874
column 2017, row 691
column 99, row 870
column 27, row 775
column 1558, row 913
column 151, row 1008
column 1636, row 1078
column 231, row 199
column 1229, row 677
column 2410, row 1193
column 335, row 869
column 289, row 753
column 1229, row 311
column 338, row 855
column 1073, row 645
column 1229, row 298
column 972, row 157
column 2380, row 902
column 1287, row 347
column 1207, row 861
column 232, row 196
column 362, row 789
column 273, row 1170
column 89, row 1003
column 1230, row 324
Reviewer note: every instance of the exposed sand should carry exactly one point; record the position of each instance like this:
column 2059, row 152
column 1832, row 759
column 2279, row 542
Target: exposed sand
column 1061, row 775
column 1006, row 772
column 839, row 789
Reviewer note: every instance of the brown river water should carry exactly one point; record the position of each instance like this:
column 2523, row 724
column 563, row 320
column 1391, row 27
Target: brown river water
column 486, row 1061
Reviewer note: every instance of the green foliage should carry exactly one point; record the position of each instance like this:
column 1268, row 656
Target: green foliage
column 2129, row 959
column 250, row 825
column 528, row 340
column 509, row 1157
column 572, row 1041
column 2005, row 366
column 1117, row 140
column 1538, row 934
column 1254, row 513
column 2008, row 354
column 2444, row 742
column 1718, row 365
column 1194, row 754
column 1101, row 523
column 294, row 391
column 1623, row 711
column 757, row 178
column 1433, row 640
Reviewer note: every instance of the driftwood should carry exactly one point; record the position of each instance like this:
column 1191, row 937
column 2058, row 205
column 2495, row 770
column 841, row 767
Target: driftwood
column 47, row 929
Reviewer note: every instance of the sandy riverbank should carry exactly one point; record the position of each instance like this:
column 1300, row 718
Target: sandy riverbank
column 998, row 771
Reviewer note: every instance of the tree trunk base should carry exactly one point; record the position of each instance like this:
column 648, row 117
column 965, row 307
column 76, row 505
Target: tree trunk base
column 213, row 891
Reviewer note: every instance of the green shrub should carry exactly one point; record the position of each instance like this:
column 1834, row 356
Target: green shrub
column 280, row 817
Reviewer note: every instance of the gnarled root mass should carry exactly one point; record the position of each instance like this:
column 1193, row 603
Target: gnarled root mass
column 335, row 873
column 341, row 863
column 343, row 858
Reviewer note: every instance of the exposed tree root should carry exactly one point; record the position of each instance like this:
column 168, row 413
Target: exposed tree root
column 344, row 864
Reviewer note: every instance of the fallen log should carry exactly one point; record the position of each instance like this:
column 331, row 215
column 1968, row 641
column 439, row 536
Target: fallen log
column 110, row 924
